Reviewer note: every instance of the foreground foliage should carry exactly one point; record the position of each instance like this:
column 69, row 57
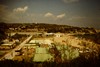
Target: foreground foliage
column 78, row 62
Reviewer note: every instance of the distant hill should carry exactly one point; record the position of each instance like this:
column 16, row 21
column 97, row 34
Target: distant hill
column 3, row 29
column 49, row 28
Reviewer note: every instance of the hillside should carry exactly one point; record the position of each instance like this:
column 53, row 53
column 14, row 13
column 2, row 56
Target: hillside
column 38, row 27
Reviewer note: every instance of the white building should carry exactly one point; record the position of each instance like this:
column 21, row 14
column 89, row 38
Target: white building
column 58, row 34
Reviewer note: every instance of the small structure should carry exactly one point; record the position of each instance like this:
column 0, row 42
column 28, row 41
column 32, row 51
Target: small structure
column 8, row 45
column 18, row 52
column 58, row 34
column 49, row 34
column 11, row 34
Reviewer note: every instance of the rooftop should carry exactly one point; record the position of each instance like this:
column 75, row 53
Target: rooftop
column 8, row 44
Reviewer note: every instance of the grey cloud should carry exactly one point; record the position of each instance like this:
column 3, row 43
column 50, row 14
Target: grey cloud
column 70, row 1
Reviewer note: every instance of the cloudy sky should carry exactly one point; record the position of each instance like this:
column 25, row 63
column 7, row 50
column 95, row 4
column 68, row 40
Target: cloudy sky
column 70, row 12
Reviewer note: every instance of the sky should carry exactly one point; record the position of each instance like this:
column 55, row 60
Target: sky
column 82, row 13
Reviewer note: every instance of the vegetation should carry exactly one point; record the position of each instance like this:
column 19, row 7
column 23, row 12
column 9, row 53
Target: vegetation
column 18, row 36
column 78, row 62
column 63, row 53
column 95, row 37
column 3, row 29
column 61, row 57
column 49, row 28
